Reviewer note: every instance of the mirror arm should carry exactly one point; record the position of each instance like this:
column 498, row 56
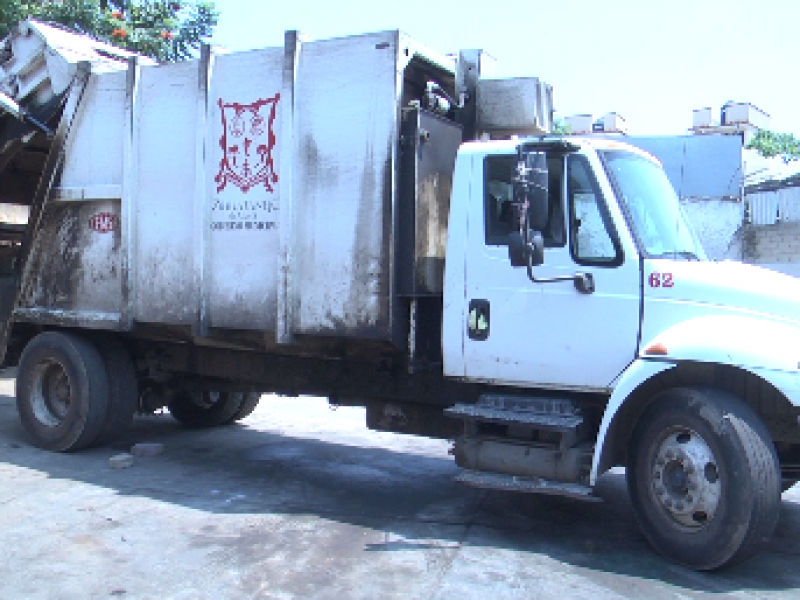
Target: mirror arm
column 584, row 282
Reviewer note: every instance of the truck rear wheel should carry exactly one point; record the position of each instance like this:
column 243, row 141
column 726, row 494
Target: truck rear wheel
column 123, row 394
column 704, row 478
column 62, row 391
column 214, row 409
column 250, row 401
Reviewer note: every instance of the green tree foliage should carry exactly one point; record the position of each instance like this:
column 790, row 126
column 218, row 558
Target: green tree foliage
column 166, row 30
column 769, row 144
column 560, row 127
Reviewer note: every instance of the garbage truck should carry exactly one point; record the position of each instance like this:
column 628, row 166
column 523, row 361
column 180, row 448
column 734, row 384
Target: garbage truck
column 364, row 219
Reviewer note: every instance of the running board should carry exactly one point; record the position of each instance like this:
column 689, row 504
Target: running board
column 539, row 413
column 473, row 412
column 528, row 485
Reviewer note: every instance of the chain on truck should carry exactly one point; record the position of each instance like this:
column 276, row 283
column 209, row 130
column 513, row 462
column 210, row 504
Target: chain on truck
column 356, row 218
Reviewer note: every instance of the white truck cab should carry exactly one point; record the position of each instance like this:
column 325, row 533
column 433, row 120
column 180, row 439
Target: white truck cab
column 695, row 363
column 613, row 214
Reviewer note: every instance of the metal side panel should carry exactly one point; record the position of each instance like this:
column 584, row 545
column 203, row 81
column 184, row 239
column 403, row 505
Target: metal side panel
column 201, row 214
column 244, row 144
column 287, row 276
column 345, row 175
column 76, row 262
column 53, row 278
column 430, row 144
column 76, row 266
column 93, row 154
column 514, row 106
column 130, row 179
column 165, row 182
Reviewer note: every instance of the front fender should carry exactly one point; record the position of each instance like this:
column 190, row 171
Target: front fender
column 635, row 375
column 769, row 349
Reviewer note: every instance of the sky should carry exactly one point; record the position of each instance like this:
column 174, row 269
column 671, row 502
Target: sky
column 652, row 62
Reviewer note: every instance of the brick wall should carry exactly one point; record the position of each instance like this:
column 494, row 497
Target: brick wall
column 777, row 244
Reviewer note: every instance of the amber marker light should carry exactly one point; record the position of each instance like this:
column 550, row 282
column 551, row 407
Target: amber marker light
column 656, row 349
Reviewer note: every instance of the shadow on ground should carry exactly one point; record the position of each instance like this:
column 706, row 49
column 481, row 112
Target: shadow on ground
column 244, row 470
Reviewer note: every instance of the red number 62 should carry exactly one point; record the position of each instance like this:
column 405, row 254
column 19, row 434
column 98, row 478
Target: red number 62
column 657, row 279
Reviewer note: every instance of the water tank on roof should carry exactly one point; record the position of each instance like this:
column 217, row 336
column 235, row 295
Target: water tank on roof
column 723, row 117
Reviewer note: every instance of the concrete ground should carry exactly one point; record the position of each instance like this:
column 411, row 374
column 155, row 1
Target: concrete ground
column 300, row 501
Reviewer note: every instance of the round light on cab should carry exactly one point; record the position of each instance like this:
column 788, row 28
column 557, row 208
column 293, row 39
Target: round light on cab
column 656, row 349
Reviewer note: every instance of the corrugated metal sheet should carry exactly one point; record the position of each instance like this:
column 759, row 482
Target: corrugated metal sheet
column 698, row 166
column 767, row 208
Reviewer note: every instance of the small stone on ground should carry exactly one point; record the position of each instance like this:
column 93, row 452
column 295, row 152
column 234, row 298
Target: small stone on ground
column 147, row 449
column 121, row 461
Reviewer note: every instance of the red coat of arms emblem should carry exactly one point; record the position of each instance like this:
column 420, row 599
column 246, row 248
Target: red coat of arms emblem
column 247, row 142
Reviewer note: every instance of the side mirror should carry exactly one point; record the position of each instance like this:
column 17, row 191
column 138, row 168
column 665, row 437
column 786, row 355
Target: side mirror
column 538, row 179
column 526, row 246
column 584, row 283
column 536, row 249
column 521, row 254
column 517, row 250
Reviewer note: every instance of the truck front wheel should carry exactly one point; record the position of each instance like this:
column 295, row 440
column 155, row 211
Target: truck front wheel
column 62, row 391
column 704, row 478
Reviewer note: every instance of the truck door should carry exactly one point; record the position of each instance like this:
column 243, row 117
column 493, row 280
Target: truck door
column 549, row 334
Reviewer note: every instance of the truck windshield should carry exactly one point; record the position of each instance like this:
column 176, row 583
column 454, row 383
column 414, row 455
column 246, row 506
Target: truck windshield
column 653, row 207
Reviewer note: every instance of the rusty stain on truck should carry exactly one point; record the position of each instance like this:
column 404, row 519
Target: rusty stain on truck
column 73, row 265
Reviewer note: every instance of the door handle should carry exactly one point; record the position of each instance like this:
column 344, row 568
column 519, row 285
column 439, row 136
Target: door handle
column 478, row 321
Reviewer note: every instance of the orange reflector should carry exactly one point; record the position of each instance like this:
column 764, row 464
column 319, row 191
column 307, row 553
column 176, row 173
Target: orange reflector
column 657, row 349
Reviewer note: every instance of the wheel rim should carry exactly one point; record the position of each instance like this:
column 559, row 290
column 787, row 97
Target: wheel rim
column 51, row 393
column 685, row 479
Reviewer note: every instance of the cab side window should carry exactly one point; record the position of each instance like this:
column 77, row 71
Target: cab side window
column 593, row 240
column 500, row 219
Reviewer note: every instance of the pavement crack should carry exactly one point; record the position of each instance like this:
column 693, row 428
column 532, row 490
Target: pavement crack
column 456, row 550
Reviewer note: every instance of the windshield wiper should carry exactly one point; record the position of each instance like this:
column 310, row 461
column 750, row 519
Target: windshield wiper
column 688, row 255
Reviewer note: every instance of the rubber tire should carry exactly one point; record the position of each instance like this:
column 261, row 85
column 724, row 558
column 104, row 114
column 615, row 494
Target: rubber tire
column 123, row 390
column 86, row 374
column 188, row 413
column 748, row 468
column 249, row 403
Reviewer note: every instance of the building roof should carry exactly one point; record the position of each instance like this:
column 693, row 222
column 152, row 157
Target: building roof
column 706, row 166
column 764, row 174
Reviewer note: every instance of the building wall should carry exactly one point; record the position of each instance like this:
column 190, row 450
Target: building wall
column 715, row 222
column 772, row 206
column 771, row 237
column 774, row 246
column 698, row 166
column 706, row 172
